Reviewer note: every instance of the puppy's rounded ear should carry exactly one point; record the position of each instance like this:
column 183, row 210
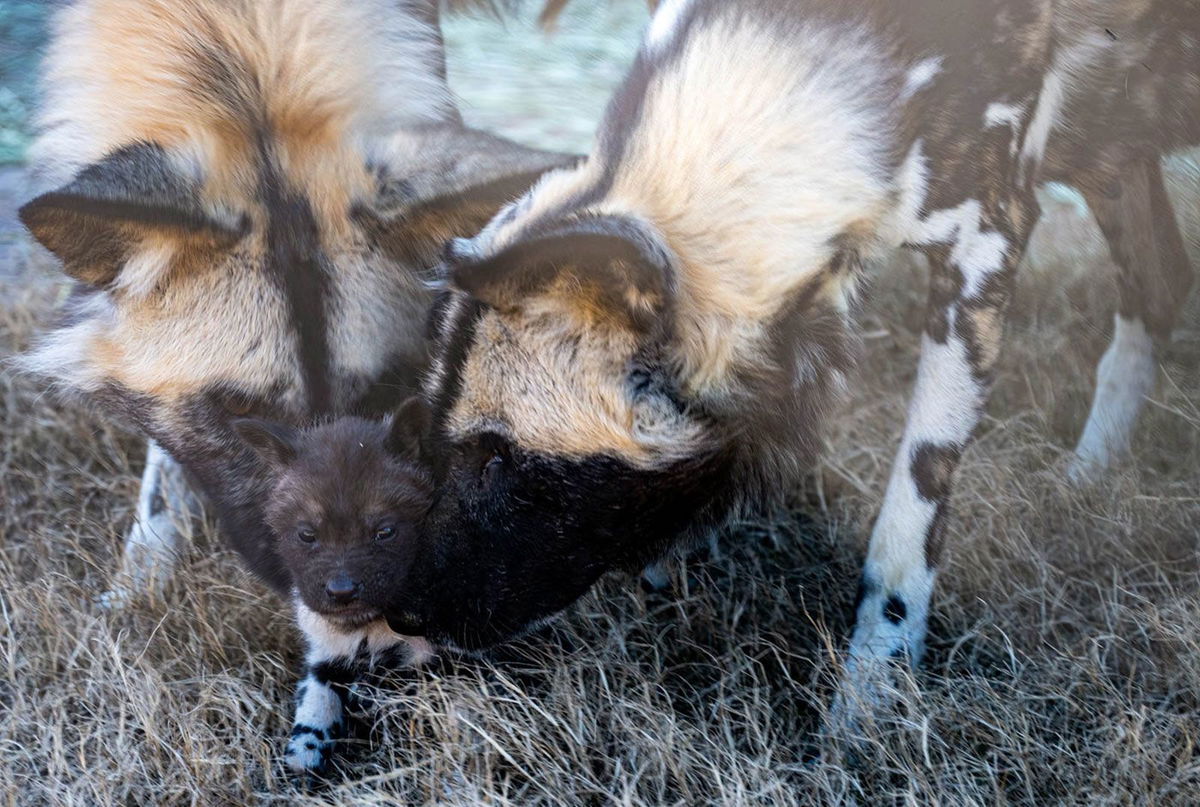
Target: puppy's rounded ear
column 274, row 443
column 408, row 425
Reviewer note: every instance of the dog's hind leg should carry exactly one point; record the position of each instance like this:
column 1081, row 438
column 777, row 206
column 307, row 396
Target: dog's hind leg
column 1135, row 215
column 167, row 512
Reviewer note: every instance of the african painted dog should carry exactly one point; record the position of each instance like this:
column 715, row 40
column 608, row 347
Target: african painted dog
column 646, row 342
column 345, row 501
column 246, row 192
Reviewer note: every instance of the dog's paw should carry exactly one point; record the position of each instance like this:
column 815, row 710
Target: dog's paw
column 115, row 599
column 308, row 750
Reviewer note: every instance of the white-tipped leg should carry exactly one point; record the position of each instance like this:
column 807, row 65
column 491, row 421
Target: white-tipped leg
column 333, row 660
column 167, row 512
column 330, row 665
column 972, row 282
column 898, row 576
column 318, row 724
column 1124, row 378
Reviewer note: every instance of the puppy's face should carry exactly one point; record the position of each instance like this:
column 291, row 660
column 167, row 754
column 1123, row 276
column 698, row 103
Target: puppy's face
column 343, row 508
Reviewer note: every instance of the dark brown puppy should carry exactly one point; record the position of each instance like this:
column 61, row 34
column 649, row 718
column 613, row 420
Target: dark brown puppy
column 346, row 495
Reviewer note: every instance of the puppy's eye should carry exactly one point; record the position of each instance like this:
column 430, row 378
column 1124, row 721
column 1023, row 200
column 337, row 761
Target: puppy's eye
column 306, row 534
column 385, row 532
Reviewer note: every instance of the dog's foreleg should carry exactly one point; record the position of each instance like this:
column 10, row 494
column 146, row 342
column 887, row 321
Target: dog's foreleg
column 167, row 512
column 973, row 258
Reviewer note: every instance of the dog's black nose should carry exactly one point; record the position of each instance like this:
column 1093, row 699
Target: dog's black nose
column 342, row 589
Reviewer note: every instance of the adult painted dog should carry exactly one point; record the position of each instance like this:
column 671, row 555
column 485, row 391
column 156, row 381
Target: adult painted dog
column 646, row 342
column 246, row 192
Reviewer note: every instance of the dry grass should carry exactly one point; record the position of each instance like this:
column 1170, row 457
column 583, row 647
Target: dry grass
column 1064, row 664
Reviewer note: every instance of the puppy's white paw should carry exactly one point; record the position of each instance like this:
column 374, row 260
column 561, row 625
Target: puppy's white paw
column 308, row 750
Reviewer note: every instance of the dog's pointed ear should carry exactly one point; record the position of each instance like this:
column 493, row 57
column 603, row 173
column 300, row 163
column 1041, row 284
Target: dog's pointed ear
column 407, row 428
column 439, row 182
column 275, row 443
column 602, row 265
column 95, row 222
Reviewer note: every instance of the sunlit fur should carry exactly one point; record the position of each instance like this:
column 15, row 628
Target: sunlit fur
column 328, row 84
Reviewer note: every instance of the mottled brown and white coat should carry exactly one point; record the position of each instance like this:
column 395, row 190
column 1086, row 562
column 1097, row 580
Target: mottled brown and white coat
column 647, row 341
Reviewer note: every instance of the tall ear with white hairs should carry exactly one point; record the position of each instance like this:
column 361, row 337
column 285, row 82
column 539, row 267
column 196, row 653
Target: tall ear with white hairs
column 274, row 443
column 439, row 182
column 96, row 221
column 601, row 266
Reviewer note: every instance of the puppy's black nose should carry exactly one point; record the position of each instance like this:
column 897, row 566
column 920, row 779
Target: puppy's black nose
column 342, row 589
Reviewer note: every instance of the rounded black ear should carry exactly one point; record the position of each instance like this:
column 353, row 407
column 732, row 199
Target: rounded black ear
column 275, row 443
column 96, row 221
column 406, row 428
column 615, row 262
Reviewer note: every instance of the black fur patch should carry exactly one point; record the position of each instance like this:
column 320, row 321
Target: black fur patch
column 301, row 728
column 895, row 610
column 500, row 552
column 296, row 265
column 333, row 672
column 935, row 535
column 865, row 589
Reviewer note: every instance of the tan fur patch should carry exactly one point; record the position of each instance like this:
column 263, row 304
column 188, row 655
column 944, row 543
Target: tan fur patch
column 556, row 385
column 312, row 91
column 777, row 189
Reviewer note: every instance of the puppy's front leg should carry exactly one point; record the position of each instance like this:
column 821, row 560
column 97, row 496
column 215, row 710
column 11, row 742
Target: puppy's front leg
column 331, row 664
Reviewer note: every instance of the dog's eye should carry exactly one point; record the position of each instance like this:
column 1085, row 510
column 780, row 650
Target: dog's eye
column 491, row 454
column 385, row 532
column 306, row 534
column 491, row 469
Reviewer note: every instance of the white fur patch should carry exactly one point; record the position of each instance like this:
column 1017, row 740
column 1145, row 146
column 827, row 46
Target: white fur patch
column 920, row 75
column 903, row 224
column 319, row 709
column 977, row 252
column 1124, row 378
column 1009, row 115
column 327, row 642
column 1045, row 115
column 877, row 640
column 1001, row 114
column 1070, row 64
column 666, row 20
column 320, row 706
column 944, row 411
